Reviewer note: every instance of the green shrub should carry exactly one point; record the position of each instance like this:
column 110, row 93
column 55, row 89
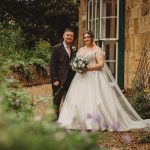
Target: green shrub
column 37, row 135
column 141, row 103
column 17, row 58
column 19, row 129
column 43, row 50
column 141, row 99
column 15, row 100
column 144, row 139
column 11, row 38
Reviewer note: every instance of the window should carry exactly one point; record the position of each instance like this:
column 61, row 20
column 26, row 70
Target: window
column 103, row 20
column 109, row 20
column 93, row 17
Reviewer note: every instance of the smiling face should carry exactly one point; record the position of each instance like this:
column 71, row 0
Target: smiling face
column 68, row 37
column 88, row 40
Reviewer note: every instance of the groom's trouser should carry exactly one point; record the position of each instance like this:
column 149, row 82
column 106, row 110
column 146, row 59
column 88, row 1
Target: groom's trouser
column 58, row 94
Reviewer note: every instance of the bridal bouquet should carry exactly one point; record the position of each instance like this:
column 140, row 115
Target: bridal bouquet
column 79, row 64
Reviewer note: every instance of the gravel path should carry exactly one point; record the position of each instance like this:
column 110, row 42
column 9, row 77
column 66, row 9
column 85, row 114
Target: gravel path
column 117, row 141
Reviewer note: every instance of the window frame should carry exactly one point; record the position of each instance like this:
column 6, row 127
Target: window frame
column 119, row 38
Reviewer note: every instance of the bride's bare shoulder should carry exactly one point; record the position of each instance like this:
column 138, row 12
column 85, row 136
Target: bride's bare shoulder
column 97, row 48
column 81, row 48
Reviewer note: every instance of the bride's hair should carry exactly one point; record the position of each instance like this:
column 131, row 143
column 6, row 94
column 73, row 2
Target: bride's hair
column 90, row 33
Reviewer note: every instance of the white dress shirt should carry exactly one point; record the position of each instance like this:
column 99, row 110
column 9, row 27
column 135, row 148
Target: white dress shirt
column 68, row 50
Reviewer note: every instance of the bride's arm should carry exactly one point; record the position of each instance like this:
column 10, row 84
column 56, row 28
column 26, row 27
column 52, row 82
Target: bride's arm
column 100, row 61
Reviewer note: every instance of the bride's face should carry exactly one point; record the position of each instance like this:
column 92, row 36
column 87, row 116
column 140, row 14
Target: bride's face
column 87, row 40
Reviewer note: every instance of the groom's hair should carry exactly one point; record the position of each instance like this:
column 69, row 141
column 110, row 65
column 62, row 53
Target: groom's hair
column 68, row 30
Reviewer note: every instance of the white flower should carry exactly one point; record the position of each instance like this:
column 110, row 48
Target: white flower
column 74, row 64
column 80, row 62
column 74, row 49
column 82, row 58
column 83, row 65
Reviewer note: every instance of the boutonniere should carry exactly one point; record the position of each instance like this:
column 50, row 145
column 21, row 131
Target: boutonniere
column 74, row 50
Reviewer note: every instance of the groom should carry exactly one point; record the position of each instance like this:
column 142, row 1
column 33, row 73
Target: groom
column 60, row 70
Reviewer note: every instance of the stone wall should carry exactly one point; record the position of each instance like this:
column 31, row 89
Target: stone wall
column 82, row 21
column 137, row 35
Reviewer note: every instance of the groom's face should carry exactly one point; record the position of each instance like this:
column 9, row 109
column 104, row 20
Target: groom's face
column 68, row 37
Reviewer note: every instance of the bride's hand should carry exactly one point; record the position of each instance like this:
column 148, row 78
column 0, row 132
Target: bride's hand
column 83, row 72
column 88, row 68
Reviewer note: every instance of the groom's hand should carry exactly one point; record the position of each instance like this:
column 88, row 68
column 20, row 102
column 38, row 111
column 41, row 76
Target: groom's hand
column 56, row 83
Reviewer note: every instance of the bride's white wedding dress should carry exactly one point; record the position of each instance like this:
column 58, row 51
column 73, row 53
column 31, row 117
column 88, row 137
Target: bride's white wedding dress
column 94, row 101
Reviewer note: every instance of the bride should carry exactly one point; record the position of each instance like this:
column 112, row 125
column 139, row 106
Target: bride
column 94, row 101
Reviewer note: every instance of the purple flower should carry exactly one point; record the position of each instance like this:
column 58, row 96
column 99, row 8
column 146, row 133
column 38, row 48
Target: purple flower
column 89, row 116
column 104, row 125
column 127, row 138
column 94, row 130
column 116, row 127
column 97, row 118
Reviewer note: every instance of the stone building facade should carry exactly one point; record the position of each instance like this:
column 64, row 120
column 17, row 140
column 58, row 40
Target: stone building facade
column 122, row 29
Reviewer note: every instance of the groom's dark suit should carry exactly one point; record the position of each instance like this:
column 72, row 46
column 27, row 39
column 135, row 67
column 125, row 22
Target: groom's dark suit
column 61, row 71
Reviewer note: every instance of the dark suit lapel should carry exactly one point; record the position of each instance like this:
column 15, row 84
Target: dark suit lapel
column 71, row 53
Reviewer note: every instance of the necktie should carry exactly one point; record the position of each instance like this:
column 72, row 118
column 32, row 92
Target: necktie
column 68, row 51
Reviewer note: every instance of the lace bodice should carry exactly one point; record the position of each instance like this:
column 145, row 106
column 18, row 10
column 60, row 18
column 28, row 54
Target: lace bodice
column 90, row 55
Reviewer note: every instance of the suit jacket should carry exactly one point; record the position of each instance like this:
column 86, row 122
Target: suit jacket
column 60, row 69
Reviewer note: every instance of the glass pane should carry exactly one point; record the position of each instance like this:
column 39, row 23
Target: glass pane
column 96, row 42
column 112, row 66
column 90, row 25
column 90, row 11
column 110, row 49
column 110, row 54
column 93, row 9
column 98, row 9
column 94, row 17
column 109, row 27
column 109, row 8
column 93, row 27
